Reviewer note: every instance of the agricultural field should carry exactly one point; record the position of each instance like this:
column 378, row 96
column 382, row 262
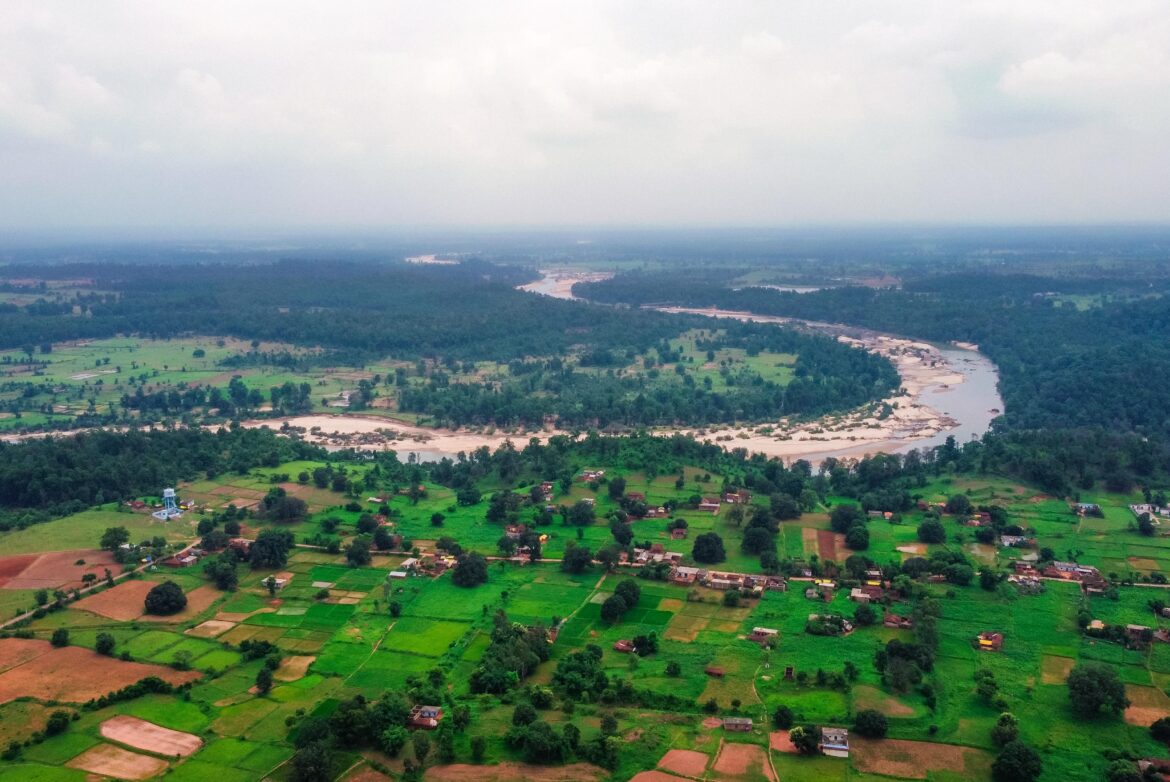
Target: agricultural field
column 339, row 637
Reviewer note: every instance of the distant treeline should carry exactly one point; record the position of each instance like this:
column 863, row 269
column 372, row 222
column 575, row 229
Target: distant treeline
column 66, row 474
column 463, row 312
column 1060, row 367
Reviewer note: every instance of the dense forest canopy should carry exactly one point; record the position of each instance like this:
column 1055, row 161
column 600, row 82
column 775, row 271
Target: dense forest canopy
column 464, row 313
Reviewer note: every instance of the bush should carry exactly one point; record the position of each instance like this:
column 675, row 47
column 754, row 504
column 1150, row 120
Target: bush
column 613, row 609
column 470, row 570
column 60, row 637
column 58, row 722
column 871, row 724
column 783, row 717
column 165, row 599
column 1160, row 729
column 1093, row 686
column 857, row 538
column 1017, row 763
column 104, row 644
column 1006, row 729
column 931, row 531
column 708, row 548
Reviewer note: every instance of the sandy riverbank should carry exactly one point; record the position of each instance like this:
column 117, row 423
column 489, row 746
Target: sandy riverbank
column 559, row 283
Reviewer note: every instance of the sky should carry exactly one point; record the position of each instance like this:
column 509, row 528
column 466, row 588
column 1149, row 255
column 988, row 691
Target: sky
column 305, row 115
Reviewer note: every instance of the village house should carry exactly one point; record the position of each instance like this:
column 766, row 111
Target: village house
column 1138, row 634
column 635, row 496
column 722, row 583
column 547, row 490
column 709, row 504
column 1027, row 585
column 589, row 500
column 656, row 513
column 591, row 475
column 763, row 635
column 739, row 724
column 1087, row 509
column 873, row 577
column 858, row 596
column 426, row 717
column 678, row 533
column 741, row 497
column 1012, row 541
column 240, row 545
column 897, row 622
column 835, row 742
column 714, row 671
column 184, row 561
column 776, row 584
column 515, row 531
column 1096, row 625
column 687, row 575
column 1023, row 568
column 1153, row 510
column 624, row 646
column 989, row 642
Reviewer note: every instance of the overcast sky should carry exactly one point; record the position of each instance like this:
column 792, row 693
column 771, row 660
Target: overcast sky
column 291, row 114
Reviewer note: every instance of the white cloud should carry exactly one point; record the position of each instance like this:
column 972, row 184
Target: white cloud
column 297, row 113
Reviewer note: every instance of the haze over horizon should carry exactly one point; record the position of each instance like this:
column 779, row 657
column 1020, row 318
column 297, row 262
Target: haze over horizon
column 295, row 116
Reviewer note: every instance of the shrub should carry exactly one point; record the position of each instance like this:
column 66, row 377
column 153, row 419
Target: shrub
column 104, row 644
column 871, row 724
column 60, row 637
column 1093, row 686
column 165, row 599
column 1017, row 763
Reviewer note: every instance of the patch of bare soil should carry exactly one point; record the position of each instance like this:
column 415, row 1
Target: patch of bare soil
column 1055, row 670
column 866, row 697
column 712, row 722
column 684, row 761
column 916, row 759
column 122, row 603
column 1147, row 704
column 59, row 569
column 212, row 628
column 147, row 736
column 293, row 668
column 737, row 760
column 110, row 761
column 778, row 740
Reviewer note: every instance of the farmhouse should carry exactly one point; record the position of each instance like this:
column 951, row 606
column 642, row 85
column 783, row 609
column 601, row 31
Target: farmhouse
column 1012, row 541
column 1153, row 510
column 722, row 583
column 714, row 670
column 740, row 497
column 710, row 504
column 1087, row 509
column 591, row 475
column 515, row 531
column 240, row 545
column 687, row 575
column 763, row 634
column 897, row 622
column 835, row 742
column 989, row 642
column 858, row 596
column 624, row 646
column 635, row 496
column 426, row 717
column 546, row 489
column 678, row 533
column 740, row 724
column 656, row 513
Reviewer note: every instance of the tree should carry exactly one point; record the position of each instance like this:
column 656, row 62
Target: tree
column 357, row 553
column 422, row 746
column 865, row 615
column 524, row 714
column 470, row 570
column 104, row 644
column 1017, row 763
column 264, row 680
column 383, row 539
column 613, row 609
column 576, row 559
column 113, row 538
column 871, row 724
column 958, row 505
column 581, row 514
column 1093, row 686
column 60, row 637
column 393, row 739
column 806, row 739
column 57, row 723
column 757, row 540
column 617, row 487
column 629, row 591
column 1006, row 729
column 271, row 548
column 783, row 717
column 708, row 548
column 932, row 531
column 843, row 517
column 222, row 570
column 1122, row 770
column 857, row 538
column 1160, row 729
column 165, row 599
column 673, row 669
column 478, row 748
column 313, row 762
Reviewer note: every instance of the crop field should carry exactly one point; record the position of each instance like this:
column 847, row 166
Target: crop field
column 333, row 625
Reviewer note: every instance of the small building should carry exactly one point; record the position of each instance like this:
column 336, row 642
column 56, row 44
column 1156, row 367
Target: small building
column 835, row 742
column 397, row 574
column 686, row 575
column 1096, row 625
column 714, row 671
column 678, row 533
column 989, row 642
column 738, row 724
column 277, row 583
column 240, row 545
column 763, row 634
column 635, row 496
column 589, row 500
column 656, row 513
column 624, row 646
column 409, row 564
column 709, row 504
column 722, row 583
column 897, row 622
column 858, row 596
column 741, row 497
column 426, row 717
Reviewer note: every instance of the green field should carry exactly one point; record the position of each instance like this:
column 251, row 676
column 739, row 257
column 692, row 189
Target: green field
column 360, row 649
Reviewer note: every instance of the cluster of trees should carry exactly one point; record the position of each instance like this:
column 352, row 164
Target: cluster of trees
column 63, row 475
column 514, row 652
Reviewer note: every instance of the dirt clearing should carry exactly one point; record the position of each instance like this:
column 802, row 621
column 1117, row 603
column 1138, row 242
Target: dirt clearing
column 1147, row 704
column 59, row 569
column 653, row 776
column 212, row 628
column 110, row 761
column 827, row 543
column 293, row 668
column 778, row 740
column 123, row 603
column 687, row 762
column 913, row 550
column 916, row 759
column 11, row 567
column 71, row 674
column 749, row 760
column 147, row 736
column 866, row 697
column 515, row 772
column 1055, row 670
